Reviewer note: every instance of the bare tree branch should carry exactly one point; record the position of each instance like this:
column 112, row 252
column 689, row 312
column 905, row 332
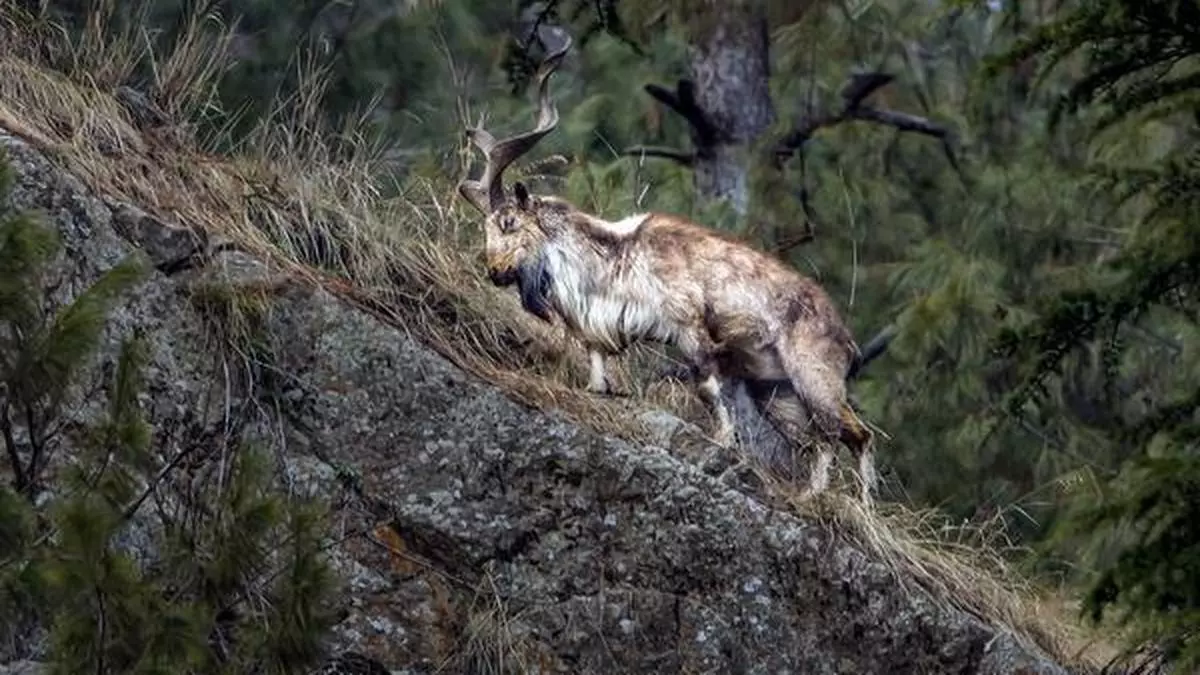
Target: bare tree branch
column 809, row 232
column 873, row 349
column 682, row 102
column 532, row 19
column 10, row 443
column 900, row 120
column 861, row 86
column 790, row 243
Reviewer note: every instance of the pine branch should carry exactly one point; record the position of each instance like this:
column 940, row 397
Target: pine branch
column 132, row 508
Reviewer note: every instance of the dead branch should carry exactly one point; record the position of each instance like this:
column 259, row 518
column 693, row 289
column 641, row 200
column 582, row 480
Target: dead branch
column 532, row 19
column 10, row 443
column 682, row 102
column 798, row 240
column 873, row 349
column 857, row 90
column 862, row 85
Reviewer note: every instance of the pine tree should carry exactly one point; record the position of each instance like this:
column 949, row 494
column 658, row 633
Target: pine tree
column 41, row 354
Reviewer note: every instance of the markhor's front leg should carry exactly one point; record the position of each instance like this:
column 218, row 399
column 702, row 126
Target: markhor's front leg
column 597, row 379
column 709, row 389
column 706, row 370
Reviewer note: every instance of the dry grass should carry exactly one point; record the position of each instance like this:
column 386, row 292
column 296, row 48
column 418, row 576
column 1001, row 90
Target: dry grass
column 966, row 566
column 314, row 205
column 493, row 641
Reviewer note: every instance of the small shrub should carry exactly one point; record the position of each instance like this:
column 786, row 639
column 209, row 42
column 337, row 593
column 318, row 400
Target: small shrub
column 227, row 579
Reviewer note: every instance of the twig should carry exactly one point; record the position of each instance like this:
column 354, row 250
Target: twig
column 158, row 478
column 792, row 242
column 10, row 443
column 36, row 449
column 101, row 629
column 534, row 18
column 682, row 157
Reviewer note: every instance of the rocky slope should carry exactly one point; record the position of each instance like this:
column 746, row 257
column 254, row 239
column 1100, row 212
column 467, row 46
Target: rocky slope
column 472, row 530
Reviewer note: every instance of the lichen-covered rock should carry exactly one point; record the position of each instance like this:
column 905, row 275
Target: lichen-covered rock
column 471, row 532
column 169, row 248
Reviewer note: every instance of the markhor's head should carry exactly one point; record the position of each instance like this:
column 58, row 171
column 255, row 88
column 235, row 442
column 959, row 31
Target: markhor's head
column 515, row 228
column 513, row 236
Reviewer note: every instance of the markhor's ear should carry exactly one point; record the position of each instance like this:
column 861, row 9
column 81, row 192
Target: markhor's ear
column 522, row 195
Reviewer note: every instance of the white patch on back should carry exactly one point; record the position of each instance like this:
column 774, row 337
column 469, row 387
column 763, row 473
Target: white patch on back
column 625, row 226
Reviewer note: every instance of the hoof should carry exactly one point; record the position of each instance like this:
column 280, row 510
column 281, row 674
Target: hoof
column 607, row 390
column 603, row 387
column 725, row 438
column 868, row 502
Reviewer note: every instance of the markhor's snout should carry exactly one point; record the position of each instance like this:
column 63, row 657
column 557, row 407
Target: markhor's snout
column 503, row 277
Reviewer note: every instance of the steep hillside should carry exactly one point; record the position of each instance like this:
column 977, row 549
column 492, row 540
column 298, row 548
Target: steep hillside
column 490, row 515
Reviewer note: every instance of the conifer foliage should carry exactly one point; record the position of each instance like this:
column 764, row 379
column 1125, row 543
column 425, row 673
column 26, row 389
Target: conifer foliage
column 1141, row 63
column 123, row 574
column 40, row 354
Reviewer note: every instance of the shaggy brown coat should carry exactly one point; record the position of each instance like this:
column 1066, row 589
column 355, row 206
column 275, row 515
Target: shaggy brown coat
column 735, row 312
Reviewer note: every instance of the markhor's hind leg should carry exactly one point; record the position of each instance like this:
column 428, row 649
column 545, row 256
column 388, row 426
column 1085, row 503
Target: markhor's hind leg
column 824, row 391
column 708, row 387
column 778, row 403
column 859, row 439
column 597, row 377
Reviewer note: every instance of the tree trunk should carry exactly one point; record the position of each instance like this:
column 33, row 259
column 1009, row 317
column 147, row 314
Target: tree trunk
column 729, row 62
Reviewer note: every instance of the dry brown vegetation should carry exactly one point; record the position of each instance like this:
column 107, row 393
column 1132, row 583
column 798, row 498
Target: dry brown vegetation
column 292, row 189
